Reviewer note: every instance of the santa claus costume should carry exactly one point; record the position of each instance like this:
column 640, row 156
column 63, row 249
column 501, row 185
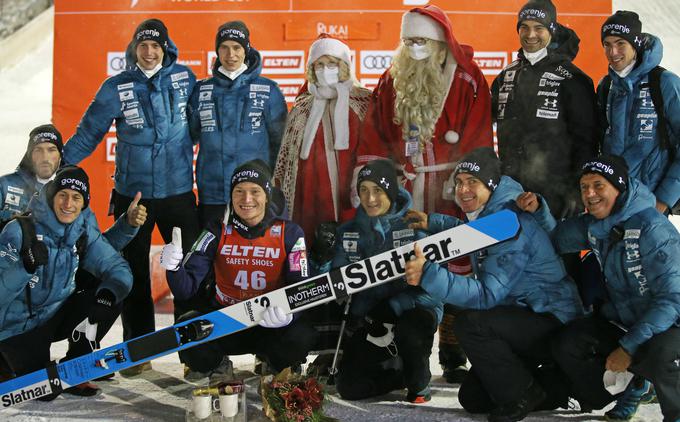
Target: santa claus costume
column 464, row 122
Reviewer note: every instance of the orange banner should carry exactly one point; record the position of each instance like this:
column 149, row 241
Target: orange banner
column 90, row 37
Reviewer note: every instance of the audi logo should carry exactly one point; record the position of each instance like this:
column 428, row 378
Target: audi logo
column 117, row 63
column 376, row 62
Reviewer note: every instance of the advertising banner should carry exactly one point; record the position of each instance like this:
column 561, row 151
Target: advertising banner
column 91, row 36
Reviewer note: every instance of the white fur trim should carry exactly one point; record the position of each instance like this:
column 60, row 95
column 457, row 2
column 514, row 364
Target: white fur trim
column 417, row 25
column 451, row 137
column 329, row 47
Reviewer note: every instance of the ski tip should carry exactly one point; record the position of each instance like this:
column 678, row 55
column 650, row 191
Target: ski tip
column 502, row 225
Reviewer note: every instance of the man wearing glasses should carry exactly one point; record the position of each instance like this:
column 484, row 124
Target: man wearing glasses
column 429, row 109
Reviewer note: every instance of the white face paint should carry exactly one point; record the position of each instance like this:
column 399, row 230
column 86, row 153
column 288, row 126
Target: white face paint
column 419, row 52
column 329, row 75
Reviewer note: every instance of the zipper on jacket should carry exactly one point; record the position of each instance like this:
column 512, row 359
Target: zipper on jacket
column 243, row 114
column 171, row 100
column 146, row 110
column 216, row 111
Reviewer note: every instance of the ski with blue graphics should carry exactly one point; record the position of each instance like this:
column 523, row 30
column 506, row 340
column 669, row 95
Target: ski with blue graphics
column 339, row 283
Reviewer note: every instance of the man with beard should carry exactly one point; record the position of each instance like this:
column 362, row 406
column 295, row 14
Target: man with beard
column 544, row 107
column 37, row 167
column 428, row 110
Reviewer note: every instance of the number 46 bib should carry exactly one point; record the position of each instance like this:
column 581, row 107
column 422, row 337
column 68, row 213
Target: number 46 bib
column 245, row 268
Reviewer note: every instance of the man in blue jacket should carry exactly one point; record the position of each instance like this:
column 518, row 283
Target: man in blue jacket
column 37, row 167
column 39, row 299
column 637, row 328
column 391, row 346
column 633, row 128
column 235, row 116
column 518, row 298
column 153, row 155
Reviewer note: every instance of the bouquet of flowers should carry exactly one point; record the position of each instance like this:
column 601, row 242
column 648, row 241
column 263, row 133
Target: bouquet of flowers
column 289, row 397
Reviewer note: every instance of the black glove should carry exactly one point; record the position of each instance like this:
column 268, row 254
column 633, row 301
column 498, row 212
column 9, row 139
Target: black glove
column 323, row 248
column 33, row 252
column 103, row 308
column 34, row 255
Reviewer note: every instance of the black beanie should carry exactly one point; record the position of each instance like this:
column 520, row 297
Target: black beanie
column 542, row 11
column 40, row 134
column 611, row 167
column 483, row 164
column 254, row 171
column 383, row 174
column 69, row 177
column 45, row 133
column 626, row 25
column 233, row 31
column 152, row 29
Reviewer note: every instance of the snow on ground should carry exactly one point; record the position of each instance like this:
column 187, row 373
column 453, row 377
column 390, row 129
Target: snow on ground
column 163, row 394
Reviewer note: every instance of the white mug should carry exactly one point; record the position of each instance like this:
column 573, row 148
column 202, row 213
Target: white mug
column 203, row 405
column 229, row 404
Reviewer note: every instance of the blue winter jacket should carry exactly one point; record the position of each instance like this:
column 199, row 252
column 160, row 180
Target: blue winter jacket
column 366, row 236
column 20, row 187
column 154, row 153
column 524, row 271
column 234, row 122
column 16, row 190
column 639, row 260
column 633, row 125
column 54, row 282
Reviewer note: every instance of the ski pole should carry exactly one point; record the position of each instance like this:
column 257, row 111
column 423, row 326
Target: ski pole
column 334, row 369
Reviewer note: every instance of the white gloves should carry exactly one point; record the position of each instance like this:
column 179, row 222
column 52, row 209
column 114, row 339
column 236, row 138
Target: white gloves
column 275, row 317
column 171, row 255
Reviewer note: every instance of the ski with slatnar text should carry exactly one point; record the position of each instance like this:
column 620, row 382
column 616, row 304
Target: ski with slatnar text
column 337, row 284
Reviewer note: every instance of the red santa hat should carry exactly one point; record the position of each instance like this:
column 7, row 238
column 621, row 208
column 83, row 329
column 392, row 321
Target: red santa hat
column 326, row 45
column 431, row 22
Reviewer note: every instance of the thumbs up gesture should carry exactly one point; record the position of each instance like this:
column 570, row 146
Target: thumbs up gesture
column 171, row 255
column 136, row 213
column 414, row 267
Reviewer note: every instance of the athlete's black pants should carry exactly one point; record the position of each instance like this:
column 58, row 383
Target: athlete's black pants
column 280, row 347
column 207, row 213
column 582, row 348
column 505, row 346
column 173, row 211
column 30, row 351
column 367, row 370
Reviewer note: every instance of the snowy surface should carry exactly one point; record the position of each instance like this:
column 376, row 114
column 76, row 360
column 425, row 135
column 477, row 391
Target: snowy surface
column 163, row 394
